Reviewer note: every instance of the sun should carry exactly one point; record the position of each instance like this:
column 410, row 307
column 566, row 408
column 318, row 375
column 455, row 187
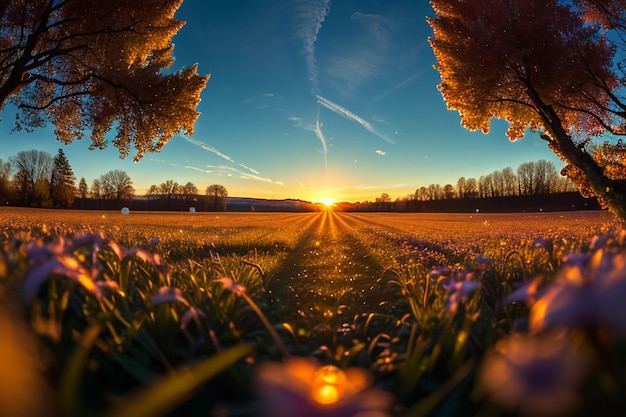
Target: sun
column 327, row 202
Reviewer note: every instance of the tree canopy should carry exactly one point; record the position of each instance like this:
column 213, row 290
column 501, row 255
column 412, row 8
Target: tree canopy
column 97, row 65
column 542, row 65
column 217, row 197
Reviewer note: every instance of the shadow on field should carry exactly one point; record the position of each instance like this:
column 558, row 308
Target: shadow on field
column 327, row 281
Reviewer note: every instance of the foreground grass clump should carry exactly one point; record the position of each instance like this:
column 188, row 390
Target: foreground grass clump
column 347, row 315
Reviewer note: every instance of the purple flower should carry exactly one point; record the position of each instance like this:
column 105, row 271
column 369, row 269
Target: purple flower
column 61, row 264
column 588, row 291
column 440, row 271
column 232, row 286
column 527, row 292
column 192, row 313
column 534, row 375
column 543, row 243
column 483, row 262
column 168, row 295
column 458, row 289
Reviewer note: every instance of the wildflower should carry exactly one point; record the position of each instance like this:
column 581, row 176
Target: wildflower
column 108, row 287
column 459, row 288
column 168, row 295
column 543, row 243
column 534, row 375
column 193, row 313
column 527, row 292
column 301, row 387
column 62, row 264
column 232, row 286
column 482, row 262
column 588, row 291
column 440, row 271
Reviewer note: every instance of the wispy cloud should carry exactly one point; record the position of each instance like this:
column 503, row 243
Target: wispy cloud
column 366, row 52
column 311, row 15
column 208, row 148
column 231, row 171
column 297, row 121
column 399, row 86
column 320, row 135
column 334, row 107
column 249, row 169
column 381, row 153
column 377, row 26
column 357, row 187
column 227, row 170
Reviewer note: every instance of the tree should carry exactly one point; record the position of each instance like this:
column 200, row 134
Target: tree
column 5, row 173
column 461, row 187
column 31, row 166
column 509, row 181
column 41, row 193
column 116, row 185
column 526, row 178
column 96, row 189
column 217, row 197
column 62, row 182
column 154, row 192
column 543, row 65
column 190, row 191
column 471, row 188
column 90, row 65
column 83, row 189
column 170, row 189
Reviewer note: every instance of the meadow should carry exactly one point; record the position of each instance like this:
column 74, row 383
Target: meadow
column 311, row 314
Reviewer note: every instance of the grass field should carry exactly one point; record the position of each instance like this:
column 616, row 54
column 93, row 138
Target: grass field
column 338, row 314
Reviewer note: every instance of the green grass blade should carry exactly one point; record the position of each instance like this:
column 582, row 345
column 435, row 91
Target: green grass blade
column 170, row 390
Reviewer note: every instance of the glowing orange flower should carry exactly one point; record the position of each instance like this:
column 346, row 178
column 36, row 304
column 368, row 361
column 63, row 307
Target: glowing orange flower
column 301, row 387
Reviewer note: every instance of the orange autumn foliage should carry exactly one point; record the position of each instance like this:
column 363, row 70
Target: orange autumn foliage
column 89, row 65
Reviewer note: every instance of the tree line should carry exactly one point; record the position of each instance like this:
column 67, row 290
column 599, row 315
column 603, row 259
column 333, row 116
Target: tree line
column 35, row 179
column 531, row 179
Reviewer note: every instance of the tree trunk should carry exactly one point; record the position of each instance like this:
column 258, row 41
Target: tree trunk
column 611, row 193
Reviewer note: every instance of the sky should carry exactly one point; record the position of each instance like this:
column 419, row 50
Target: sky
column 308, row 99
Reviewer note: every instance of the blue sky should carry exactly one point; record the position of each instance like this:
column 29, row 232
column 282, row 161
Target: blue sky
column 308, row 99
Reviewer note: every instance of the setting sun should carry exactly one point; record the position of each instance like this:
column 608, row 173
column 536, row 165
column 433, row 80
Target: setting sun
column 328, row 202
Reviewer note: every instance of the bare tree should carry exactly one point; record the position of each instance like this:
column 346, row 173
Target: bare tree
column 5, row 176
column 31, row 167
column 116, row 185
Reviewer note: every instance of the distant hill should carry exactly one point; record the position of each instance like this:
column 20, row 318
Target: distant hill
column 259, row 204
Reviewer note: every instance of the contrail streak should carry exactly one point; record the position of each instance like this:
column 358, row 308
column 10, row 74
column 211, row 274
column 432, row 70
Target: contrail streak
column 334, row 107
column 310, row 19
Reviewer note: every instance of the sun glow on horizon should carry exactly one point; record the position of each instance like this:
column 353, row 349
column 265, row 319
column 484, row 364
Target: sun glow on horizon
column 327, row 202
